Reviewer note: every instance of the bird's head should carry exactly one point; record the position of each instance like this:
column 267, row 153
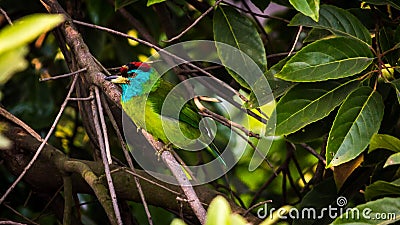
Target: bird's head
column 135, row 78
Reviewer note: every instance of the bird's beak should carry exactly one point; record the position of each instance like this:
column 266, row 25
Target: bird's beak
column 118, row 79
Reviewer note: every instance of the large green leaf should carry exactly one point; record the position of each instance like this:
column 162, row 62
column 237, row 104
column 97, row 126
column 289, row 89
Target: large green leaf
column 381, row 189
column 380, row 211
column 327, row 59
column 384, row 141
column 232, row 28
column 307, row 7
column 26, row 29
column 309, row 102
column 338, row 21
column 357, row 120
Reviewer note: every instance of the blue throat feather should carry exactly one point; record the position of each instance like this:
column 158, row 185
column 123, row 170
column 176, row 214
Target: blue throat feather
column 135, row 87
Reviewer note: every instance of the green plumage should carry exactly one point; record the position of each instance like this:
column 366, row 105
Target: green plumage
column 143, row 96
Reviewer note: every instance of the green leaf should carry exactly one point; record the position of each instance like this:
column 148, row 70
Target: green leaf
column 236, row 30
column 12, row 61
column 309, row 8
column 316, row 34
column 338, row 21
column 381, row 189
column 122, row 3
column 372, row 213
column 177, row 221
column 237, row 219
column 27, row 29
column 261, row 4
column 357, row 120
column 218, row 212
column 275, row 87
column 327, row 59
column 394, row 3
column 394, row 159
column 309, row 102
column 384, row 141
column 152, row 2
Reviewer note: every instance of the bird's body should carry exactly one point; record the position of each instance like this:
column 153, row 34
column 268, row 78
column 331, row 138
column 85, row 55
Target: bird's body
column 143, row 96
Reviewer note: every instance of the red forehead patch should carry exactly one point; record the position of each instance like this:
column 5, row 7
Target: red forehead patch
column 139, row 65
column 123, row 69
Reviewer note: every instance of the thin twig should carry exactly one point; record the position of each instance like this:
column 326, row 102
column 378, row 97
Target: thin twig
column 62, row 76
column 39, row 150
column 82, row 99
column 101, row 129
column 6, row 16
column 257, row 14
column 152, row 182
column 128, row 159
column 9, row 222
column 255, row 206
column 296, row 40
column 194, row 23
column 278, row 54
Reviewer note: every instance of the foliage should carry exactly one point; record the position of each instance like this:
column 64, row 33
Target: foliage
column 336, row 102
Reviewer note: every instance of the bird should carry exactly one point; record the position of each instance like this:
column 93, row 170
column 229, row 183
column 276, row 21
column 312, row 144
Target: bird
column 142, row 98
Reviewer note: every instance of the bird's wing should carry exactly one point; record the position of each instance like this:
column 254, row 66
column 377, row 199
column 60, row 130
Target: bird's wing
column 188, row 113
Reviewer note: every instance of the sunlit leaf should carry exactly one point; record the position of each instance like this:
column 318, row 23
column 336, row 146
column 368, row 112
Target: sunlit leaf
column 232, row 28
column 384, row 141
column 309, row 102
column 218, row 212
column 307, row 7
column 393, row 160
column 357, row 120
column 338, row 21
column 27, row 29
column 177, row 221
column 11, row 62
column 327, row 59
column 380, row 211
column 152, row 2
